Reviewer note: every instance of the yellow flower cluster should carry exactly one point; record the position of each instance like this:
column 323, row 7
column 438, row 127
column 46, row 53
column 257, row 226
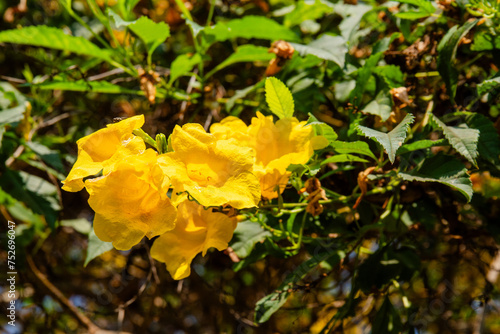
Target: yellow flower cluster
column 136, row 192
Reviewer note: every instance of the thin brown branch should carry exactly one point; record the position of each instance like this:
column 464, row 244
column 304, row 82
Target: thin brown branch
column 82, row 318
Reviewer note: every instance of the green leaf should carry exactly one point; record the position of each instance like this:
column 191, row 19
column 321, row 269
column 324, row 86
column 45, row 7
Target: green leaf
column 54, row 38
column 13, row 104
column 421, row 145
column 444, row 169
column 279, row 98
column 447, row 50
column 343, row 158
column 358, row 147
column 424, row 5
column 127, row 6
column 487, row 85
column 51, row 157
column 182, row 65
column 391, row 74
column 268, row 305
column 244, row 53
column 381, row 106
column 485, row 41
column 151, row 33
column 38, row 194
column 326, row 47
column 119, row 22
column 85, row 86
column 246, row 235
column 305, row 11
column 96, row 247
column 195, row 27
column 322, row 129
column 462, row 139
column 80, row 225
column 248, row 27
column 364, row 73
column 488, row 145
column 412, row 15
column 387, row 320
column 390, row 141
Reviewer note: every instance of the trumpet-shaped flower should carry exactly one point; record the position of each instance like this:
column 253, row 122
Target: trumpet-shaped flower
column 196, row 230
column 276, row 146
column 214, row 172
column 102, row 149
column 130, row 202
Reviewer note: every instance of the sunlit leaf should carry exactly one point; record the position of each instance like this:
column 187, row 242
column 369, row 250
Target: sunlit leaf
column 380, row 106
column 96, row 247
column 444, row 169
column 463, row 139
column 151, row 33
column 279, row 98
column 357, row 147
column 53, row 38
column 390, row 141
column 183, row 64
column 326, row 47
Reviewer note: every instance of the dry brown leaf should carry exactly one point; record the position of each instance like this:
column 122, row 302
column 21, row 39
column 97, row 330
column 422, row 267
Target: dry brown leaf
column 363, row 183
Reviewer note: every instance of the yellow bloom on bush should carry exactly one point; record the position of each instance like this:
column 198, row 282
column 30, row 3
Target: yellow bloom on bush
column 276, row 145
column 197, row 230
column 102, row 149
column 131, row 201
column 214, row 172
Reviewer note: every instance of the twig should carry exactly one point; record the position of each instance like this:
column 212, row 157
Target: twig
column 92, row 328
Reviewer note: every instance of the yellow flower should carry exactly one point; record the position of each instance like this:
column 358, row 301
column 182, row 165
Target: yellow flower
column 130, row 202
column 102, row 149
column 196, row 230
column 276, row 146
column 214, row 172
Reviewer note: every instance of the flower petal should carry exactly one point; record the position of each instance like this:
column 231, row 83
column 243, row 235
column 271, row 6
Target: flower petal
column 128, row 205
column 197, row 230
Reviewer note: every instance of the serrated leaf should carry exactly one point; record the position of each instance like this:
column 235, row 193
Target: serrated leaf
column 443, row 169
column 244, row 53
column 343, row 158
column 326, row 47
column 390, row 141
column 151, row 33
column 53, row 38
column 268, row 305
column 487, row 85
column 279, row 98
column 96, row 247
column 381, row 106
column 447, row 49
column 246, row 235
column 421, row 145
column 358, row 147
column 91, row 86
column 488, row 145
column 464, row 140
column 183, row 64
column 248, row 27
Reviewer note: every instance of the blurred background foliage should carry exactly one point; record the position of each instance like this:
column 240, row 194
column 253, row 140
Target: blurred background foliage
column 415, row 257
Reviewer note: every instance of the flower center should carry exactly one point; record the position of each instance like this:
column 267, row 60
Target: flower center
column 202, row 174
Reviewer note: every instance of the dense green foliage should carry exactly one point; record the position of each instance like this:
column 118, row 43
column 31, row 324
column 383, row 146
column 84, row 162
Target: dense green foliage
column 401, row 232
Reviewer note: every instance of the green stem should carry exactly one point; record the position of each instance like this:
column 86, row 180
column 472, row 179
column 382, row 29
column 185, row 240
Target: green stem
column 211, row 12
